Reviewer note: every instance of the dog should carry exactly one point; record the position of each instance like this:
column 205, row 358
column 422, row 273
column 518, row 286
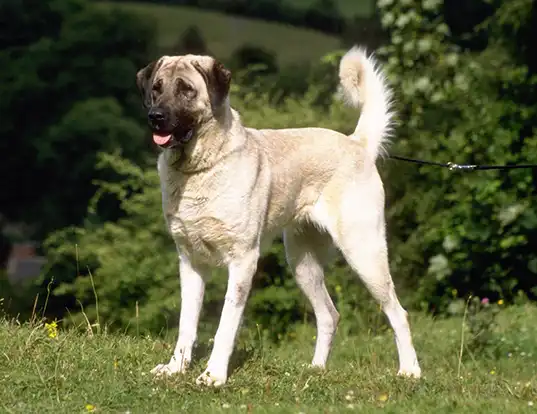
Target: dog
column 229, row 190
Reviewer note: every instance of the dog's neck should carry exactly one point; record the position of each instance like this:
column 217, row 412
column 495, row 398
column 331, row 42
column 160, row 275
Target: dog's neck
column 212, row 142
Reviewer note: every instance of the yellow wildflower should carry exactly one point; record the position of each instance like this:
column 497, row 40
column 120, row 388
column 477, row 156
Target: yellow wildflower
column 383, row 397
column 90, row 408
column 52, row 329
column 500, row 302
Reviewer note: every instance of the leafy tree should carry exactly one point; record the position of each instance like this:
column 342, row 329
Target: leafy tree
column 66, row 71
column 258, row 61
column 325, row 15
column 192, row 42
column 473, row 230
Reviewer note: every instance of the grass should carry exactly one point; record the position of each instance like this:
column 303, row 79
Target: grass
column 109, row 373
column 349, row 8
column 223, row 34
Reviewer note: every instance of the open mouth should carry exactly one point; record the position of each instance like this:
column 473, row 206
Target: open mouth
column 177, row 137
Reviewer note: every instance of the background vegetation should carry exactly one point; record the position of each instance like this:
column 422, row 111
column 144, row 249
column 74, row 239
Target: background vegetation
column 78, row 171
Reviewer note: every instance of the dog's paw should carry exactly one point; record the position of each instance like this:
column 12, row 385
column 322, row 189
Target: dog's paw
column 169, row 369
column 414, row 372
column 317, row 366
column 211, row 379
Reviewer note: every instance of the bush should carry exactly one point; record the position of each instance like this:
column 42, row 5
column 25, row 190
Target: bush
column 191, row 42
column 67, row 93
column 247, row 56
column 474, row 230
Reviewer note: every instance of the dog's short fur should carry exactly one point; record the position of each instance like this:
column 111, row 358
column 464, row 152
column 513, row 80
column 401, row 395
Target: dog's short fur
column 228, row 189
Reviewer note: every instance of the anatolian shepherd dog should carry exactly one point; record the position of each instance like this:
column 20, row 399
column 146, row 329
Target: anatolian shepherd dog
column 228, row 190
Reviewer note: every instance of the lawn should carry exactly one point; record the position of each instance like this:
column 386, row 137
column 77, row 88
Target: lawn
column 223, row 33
column 109, row 373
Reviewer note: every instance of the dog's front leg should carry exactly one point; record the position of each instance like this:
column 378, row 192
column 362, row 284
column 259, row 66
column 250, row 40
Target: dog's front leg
column 192, row 290
column 240, row 277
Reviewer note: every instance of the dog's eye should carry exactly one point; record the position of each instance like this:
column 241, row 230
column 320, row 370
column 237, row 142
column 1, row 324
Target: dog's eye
column 157, row 86
column 185, row 88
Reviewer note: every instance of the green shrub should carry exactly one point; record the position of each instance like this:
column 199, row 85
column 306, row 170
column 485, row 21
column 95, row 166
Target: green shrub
column 473, row 230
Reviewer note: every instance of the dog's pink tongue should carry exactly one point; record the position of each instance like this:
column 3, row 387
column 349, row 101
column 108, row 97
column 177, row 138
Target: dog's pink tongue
column 161, row 139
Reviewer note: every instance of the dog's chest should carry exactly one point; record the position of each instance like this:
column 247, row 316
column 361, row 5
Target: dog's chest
column 200, row 230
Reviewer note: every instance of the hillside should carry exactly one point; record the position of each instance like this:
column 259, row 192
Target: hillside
column 348, row 8
column 223, row 34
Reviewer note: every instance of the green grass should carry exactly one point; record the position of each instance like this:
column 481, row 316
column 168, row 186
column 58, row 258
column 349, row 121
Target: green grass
column 223, row 34
column 348, row 8
column 108, row 373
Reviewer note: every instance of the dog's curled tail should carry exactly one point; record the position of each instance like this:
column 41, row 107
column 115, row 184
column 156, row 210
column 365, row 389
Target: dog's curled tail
column 362, row 84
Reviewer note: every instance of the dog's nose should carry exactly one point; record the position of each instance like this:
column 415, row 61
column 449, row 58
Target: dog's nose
column 156, row 116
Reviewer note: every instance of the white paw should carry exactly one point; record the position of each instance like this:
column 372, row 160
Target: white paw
column 414, row 372
column 317, row 365
column 171, row 368
column 211, row 379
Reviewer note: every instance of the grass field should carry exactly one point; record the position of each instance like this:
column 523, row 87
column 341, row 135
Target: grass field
column 223, row 34
column 349, row 8
column 76, row 373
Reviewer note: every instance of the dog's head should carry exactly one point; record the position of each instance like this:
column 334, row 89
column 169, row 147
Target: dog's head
column 181, row 93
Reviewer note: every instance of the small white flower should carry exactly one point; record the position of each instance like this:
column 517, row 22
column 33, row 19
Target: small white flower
column 226, row 405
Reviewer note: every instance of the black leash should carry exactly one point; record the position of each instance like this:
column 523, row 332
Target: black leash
column 462, row 167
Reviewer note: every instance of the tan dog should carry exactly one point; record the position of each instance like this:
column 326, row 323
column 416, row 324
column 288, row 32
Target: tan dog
column 227, row 190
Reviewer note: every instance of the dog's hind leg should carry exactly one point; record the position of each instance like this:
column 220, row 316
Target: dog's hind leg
column 357, row 226
column 306, row 249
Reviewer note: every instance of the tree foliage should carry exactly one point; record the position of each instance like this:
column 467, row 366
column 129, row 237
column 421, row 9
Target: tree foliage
column 472, row 232
column 66, row 72
column 191, row 42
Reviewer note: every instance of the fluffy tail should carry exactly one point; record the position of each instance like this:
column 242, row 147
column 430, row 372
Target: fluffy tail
column 363, row 85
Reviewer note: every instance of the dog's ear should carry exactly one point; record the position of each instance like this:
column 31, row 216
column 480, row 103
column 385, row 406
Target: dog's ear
column 218, row 80
column 143, row 81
